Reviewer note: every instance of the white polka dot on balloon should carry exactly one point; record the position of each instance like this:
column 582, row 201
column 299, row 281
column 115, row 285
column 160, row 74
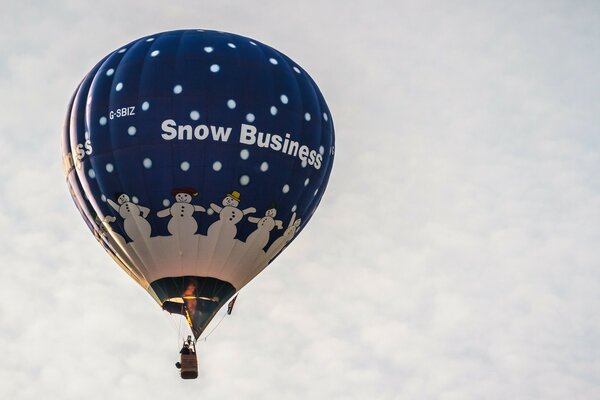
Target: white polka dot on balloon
column 147, row 163
column 215, row 68
column 131, row 130
column 177, row 89
column 316, row 191
column 231, row 45
column 123, row 50
column 250, row 117
column 119, row 86
column 284, row 99
column 145, row 106
column 273, row 61
column 110, row 167
column 135, row 199
column 154, row 53
column 110, row 71
column 306, row 182
column 184, row 166
column 217, row 166
column 210, row 211
column 307, row 116
column 304, row 163
column 325, row 117
column 166, row 202
column 244, row 180
column 264, row 166
column 273, row 110
column 149, row 39
column 321, row 150
column 195, row 115
column 103, row 121
column 91, row 173
column 296, row 69
column 285, row 188
column 103, row 198
column 231, row 104
column 208, row 49
column 244, row 154
column 294, row 208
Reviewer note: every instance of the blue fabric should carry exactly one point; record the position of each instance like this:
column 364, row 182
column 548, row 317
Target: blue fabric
column 196, row 77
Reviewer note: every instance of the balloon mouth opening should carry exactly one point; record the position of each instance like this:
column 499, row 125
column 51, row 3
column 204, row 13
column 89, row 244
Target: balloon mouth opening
column 197, row 298
column 183, row 299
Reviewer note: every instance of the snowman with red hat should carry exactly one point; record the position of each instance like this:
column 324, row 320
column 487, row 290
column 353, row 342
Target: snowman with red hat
column 229, row 216
column 182, row 221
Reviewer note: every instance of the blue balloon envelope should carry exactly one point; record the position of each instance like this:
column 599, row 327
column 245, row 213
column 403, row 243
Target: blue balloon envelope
column 195, row 157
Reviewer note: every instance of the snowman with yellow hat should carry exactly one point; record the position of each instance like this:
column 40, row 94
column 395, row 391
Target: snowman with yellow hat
column 229, row 216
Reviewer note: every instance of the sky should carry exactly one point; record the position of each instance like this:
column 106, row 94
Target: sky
column 455, row 252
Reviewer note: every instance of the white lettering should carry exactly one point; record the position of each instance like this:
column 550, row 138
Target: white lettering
column 201, row 132
column 80, row 151
column 168, row 126
column 248, row 134
column 88, row 147
column 184, row 129
column 220, row 133
column 303, row 152
column 318, row 161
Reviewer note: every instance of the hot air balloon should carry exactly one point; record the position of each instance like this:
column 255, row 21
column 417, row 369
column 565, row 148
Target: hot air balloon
column 195, row 157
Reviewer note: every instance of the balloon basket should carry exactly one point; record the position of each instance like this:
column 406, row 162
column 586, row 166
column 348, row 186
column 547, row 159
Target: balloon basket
column 189, row 366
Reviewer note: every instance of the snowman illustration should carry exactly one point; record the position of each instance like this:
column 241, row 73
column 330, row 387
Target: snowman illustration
column 105, row 231
column 182, row 221
column 134, row 217
column 264, row 226
column 229, row 216
column 284, row 239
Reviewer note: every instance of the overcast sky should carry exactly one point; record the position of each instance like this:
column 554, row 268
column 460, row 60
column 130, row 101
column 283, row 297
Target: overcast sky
column 455, row 254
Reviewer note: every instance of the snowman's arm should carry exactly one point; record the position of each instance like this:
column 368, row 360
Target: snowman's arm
column 113, row 204
column 109, row 218
column 250, row 210
column 279, row 224
column 145, row 211
column 215, row 207
column 199, row 208
column 253, row 219
column 164, row 213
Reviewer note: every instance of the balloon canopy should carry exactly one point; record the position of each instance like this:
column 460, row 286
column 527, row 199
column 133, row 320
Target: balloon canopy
column 195, row 157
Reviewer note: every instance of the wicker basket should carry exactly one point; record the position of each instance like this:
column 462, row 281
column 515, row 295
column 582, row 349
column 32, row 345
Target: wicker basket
column 189, row 366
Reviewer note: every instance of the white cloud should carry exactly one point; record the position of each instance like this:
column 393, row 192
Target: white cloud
column 454, row 255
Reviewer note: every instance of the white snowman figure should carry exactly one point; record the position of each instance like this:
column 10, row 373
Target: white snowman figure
column 182, row 221
column 260, row 237
column 134, row 217
column 105, row 231
column 229, row 216
column 284, row 239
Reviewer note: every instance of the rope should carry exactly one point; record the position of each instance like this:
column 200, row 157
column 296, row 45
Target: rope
column 180, row 336
column 218, row 323
column 213, row 329
column 173, row 324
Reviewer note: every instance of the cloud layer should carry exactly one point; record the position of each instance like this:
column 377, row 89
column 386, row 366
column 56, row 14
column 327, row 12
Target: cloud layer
column 454, row 255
